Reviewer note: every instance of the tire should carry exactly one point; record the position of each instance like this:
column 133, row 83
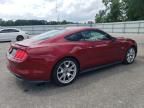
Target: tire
column 130, row 56
column 65, row 72
column 20, row 38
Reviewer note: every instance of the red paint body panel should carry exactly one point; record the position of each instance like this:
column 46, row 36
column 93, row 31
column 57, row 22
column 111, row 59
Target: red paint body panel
column 43, row 55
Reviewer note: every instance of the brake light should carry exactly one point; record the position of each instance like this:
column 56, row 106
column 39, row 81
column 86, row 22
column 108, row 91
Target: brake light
column 20, row 55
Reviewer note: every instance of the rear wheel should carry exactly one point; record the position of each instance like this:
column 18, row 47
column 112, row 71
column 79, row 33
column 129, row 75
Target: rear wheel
column 20, row 38
column 130, row 56
column 65, row 72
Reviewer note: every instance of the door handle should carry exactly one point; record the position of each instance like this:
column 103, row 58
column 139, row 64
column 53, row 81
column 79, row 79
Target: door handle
column 102, row 45
column 95, row 46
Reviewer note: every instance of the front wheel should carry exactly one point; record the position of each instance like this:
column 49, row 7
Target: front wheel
column 130, row 56
column 65, row 72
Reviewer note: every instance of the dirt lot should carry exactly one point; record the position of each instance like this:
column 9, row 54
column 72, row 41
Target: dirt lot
column 119, row 86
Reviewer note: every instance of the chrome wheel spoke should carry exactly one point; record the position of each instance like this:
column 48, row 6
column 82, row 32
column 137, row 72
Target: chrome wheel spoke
column 68, row 74
column 60, row 70
column 62, row 76
column 67, row 64
column 72, row 68
column 128, row 59
column 128, row 55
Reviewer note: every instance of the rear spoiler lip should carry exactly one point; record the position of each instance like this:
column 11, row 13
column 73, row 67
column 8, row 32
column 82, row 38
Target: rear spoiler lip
column 19, row 46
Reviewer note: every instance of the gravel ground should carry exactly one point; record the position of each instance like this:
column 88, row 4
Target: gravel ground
column 119, row 86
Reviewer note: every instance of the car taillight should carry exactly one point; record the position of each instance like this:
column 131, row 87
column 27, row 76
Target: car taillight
column 20, row 55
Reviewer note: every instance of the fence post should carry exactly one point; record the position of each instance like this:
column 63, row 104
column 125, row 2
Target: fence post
column 112, row 27
column 103, row 25
column 32, row 30
column 43, row 28
column 139, row 27
column 124, row 27
column 77, row 24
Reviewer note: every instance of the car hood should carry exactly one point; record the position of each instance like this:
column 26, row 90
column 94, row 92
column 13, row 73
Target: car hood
column 123, row 38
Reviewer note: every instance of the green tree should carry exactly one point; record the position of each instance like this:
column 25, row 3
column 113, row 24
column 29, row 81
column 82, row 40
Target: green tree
column 121, row 10
column 100, row 17
column 134, row 9
column 112, row 13
column 9, row 22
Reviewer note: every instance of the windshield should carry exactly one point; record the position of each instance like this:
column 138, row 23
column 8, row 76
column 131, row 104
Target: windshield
column 48, row 34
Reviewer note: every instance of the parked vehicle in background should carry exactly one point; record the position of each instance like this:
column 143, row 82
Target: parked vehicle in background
column 59, row 55
column 12, row 34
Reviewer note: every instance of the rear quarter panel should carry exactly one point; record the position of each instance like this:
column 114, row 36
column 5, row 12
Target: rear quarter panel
column 55, row 52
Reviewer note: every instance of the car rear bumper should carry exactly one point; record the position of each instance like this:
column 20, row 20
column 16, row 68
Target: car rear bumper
column 20, row 78
column 33, row 74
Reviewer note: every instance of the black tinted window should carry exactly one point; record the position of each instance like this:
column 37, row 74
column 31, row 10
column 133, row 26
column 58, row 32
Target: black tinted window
column 75, row 37
column 13, row 30
column 92, row 35
column 8, row 30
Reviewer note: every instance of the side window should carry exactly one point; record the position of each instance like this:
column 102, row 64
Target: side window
column 13, row 30
column 8, row 30
column 4, row 31
column 75, row 37
column 94, row 35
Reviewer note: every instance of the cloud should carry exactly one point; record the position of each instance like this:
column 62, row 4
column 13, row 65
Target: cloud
column 72, row 10
column 3, row 1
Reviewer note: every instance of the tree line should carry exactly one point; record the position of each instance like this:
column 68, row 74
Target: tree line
column 31, row 22
column 121, row 10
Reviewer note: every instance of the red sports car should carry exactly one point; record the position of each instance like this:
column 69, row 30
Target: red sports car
column 60, row 55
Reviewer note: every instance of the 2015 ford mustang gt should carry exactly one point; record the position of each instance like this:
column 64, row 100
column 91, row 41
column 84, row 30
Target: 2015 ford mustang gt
column 60, row 55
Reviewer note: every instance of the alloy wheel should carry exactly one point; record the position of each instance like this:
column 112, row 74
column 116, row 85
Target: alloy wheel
column 130, row 55
column 66, row 71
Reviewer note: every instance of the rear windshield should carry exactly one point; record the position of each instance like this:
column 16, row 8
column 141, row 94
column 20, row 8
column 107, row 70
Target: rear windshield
column 48, row 34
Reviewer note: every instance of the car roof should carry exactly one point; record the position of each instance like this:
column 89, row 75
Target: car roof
column 77, row 29
column 71, row 30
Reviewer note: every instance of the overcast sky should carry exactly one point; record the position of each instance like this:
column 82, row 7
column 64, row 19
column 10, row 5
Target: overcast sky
column 71, row 10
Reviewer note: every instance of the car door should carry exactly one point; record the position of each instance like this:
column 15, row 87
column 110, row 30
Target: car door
column 12, row 34
column 84, row 50
column 2, row 35
column 8, row 34
column 5, row 35
column 101, row 48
